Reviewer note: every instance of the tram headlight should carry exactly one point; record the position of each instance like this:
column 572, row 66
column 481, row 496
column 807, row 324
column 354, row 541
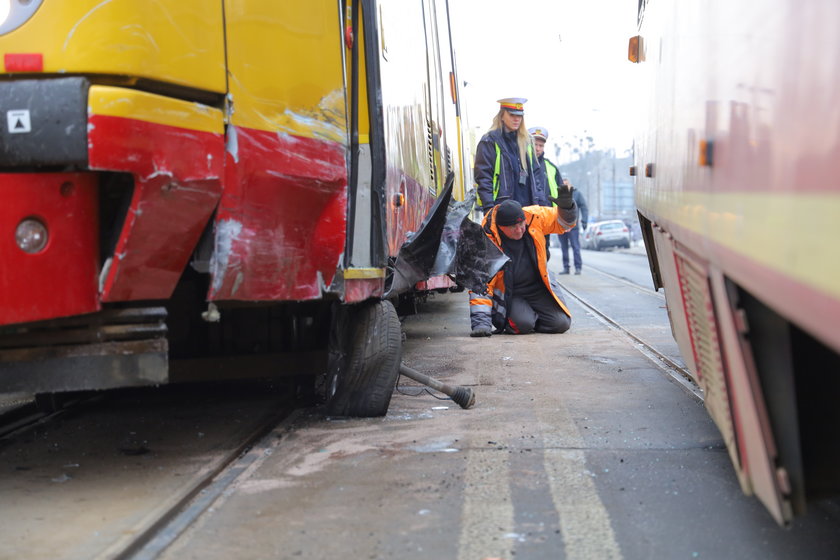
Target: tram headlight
column 14, row 13
column 31, row 235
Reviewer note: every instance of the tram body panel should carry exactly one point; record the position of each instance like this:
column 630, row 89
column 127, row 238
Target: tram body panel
column 280, row 228
column 68, row 205
column 737, row 181
column 174, row 150
column 412, row 101
column 150, row 41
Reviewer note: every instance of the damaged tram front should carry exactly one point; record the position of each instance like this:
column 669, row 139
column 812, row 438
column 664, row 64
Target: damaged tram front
column 185, row 182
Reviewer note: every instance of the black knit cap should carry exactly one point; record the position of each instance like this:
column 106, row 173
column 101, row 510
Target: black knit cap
column 509, row 213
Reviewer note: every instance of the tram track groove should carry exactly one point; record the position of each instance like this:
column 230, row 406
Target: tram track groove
column 676, row 372
column 28, row 415
column 163, row 528
column 17, row 421
column 161, row 525
column 628, row 282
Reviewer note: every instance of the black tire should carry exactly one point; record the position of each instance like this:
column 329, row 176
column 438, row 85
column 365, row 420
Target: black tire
column 362, row 380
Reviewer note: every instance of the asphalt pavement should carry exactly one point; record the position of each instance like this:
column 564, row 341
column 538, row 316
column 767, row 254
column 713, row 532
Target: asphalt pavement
column 577, row 447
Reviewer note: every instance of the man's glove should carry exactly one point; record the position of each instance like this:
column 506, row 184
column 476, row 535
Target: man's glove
column 564, row 198
column 481, row 331
column 583, row 225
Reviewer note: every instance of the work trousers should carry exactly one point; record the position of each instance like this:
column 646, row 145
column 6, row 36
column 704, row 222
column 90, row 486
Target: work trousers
column 572, row 238
column 537, row 312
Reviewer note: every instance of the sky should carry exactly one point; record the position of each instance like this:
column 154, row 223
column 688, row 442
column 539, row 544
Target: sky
column 567, row 57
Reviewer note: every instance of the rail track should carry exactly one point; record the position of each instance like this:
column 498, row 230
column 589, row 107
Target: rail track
column 31, row 438
column 627, row 282
column 181, row 513
column 675, row 371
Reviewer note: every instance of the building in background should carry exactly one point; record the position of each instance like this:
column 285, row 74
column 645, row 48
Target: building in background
column 605, row 181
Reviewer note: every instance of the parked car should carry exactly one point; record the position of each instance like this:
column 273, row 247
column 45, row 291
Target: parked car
column 611, row 233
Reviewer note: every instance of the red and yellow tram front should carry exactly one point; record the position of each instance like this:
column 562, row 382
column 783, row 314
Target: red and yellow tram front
column 109, row 117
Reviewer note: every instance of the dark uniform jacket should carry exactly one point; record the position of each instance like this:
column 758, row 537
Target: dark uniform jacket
column 534, row 191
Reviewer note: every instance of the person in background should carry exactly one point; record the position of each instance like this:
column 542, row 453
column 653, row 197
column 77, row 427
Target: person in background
column 506, row 167
column 539, row 135
column 521, row 298
column 572, row 237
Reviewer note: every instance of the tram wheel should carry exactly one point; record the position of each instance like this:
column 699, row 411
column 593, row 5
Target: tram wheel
column 365, row 356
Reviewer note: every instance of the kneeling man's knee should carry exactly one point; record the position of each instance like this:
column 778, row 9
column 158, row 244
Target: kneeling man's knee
column 559, row 323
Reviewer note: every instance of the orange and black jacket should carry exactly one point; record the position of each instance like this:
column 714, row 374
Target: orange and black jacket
column 489, row 310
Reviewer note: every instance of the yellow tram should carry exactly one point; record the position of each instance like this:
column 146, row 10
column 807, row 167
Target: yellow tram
column 187, row 181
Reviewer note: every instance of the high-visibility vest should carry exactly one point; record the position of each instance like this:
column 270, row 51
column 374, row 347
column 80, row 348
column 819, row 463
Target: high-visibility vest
column 551, row 175
column 497, row 168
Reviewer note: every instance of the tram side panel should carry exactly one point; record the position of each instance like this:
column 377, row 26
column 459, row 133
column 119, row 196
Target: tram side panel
column 456, row 148
column 420, row 124
column 413, row 114
column 720, row 188
column 280, row 227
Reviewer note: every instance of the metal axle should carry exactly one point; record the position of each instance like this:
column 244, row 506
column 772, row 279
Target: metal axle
column 463, row 396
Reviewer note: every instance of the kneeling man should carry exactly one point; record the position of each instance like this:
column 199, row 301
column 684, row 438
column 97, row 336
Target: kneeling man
column 520, row 298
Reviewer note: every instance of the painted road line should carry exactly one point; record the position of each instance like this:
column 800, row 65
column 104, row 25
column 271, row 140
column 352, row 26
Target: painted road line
column 487, row 514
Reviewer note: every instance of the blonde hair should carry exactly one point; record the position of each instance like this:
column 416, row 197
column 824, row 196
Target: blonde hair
column 523, row 138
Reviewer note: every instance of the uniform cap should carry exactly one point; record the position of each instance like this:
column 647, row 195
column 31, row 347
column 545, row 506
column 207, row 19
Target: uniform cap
column 539, row 132
column 509, row 213
column 513, row 105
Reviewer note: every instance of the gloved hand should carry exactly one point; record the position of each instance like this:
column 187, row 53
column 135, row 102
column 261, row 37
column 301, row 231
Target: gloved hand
column 481, row 331
column 583, row 225
column 564, row 198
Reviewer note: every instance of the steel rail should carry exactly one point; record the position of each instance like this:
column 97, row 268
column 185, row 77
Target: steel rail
column 157, row 532
column 186, row 509
column 630, row 283
column 675, row 372
column 27, row 414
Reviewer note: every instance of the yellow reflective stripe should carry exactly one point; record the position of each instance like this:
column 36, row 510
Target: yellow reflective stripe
column 744, row 231
column 496, row 170
column 552, row 178
column 363, row 273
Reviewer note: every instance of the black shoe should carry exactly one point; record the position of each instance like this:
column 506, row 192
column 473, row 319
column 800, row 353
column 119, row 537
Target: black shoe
column 565, row 271
column 576, row 271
